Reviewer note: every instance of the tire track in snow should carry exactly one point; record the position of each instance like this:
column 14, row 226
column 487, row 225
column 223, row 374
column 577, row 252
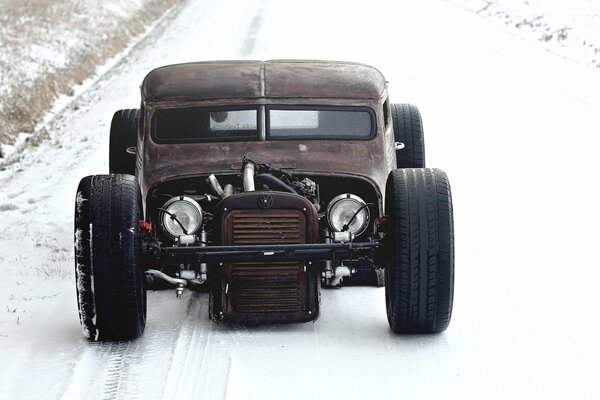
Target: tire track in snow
column 118, row 369
column 251, row 35
column 140, row 368
column 106, row 370
column 198, row 368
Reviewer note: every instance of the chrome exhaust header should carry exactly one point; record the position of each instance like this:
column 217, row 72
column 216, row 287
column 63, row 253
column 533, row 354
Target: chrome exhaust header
column 248, row 176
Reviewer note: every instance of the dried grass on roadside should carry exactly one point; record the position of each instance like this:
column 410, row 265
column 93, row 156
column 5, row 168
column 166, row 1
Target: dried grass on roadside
column 49, row 46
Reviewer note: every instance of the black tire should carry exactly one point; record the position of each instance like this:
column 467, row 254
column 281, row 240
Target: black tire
column 419, row 281
column 111, row 295
column 123, row 135
column 408, row 129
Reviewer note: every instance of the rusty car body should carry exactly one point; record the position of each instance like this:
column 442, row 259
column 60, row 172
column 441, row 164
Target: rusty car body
column 267, row 84
column 263, row 181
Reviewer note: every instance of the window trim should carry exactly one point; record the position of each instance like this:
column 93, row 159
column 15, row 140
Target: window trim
column 308, row 107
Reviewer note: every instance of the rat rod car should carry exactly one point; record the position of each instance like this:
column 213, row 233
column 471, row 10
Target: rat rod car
column 262, row 182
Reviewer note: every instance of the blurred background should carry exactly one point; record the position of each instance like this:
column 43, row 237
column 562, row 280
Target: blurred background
column 49, row 47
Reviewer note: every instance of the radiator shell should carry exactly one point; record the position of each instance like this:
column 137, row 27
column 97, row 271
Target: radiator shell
column 265, row 292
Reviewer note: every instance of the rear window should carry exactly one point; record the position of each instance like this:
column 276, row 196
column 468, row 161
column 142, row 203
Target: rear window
column 201, row 124
column 330, row 123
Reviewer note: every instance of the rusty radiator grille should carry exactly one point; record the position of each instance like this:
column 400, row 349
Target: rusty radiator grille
column 260, row 288
column 266, row 227
column 265, row 287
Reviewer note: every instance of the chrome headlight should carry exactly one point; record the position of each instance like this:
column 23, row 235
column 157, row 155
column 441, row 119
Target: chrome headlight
column 185, row 210
column 341, row 210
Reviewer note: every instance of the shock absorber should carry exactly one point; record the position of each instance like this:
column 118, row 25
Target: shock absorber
column 203, row 266
column 328, row 272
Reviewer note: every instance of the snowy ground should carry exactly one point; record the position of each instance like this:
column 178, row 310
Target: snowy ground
column 516, row 129
column 569, row 28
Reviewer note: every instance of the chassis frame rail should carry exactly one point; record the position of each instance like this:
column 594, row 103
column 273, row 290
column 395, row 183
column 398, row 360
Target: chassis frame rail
column 266, row 253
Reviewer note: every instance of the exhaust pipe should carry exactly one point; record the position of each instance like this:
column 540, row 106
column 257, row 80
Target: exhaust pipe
column 248, row 176
column 215, row 185
column 227, row 190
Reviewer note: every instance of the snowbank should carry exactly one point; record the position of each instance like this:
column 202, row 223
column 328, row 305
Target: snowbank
column 50, row 46
column 569, row 28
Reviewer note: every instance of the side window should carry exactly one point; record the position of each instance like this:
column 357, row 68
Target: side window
column 386, row 112
column 141, row 121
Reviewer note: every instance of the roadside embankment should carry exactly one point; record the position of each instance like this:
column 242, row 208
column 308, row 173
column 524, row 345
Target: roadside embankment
column 568, row 28
column 47, row 47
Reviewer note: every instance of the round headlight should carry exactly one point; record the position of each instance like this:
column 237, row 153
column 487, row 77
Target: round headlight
column 341, row 210
column 181, row 210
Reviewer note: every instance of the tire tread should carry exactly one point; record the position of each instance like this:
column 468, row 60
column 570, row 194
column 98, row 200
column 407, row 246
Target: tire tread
column 116, row 290
column 420, row 280
column 408, row 129
column 123, row 134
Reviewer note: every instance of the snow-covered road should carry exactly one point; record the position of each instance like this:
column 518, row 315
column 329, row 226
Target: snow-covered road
column 517, row 130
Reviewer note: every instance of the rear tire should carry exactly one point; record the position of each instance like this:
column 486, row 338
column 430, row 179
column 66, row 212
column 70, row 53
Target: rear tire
column 111, row 295
column 123, row 135
column 408, row 129
column 419, row 281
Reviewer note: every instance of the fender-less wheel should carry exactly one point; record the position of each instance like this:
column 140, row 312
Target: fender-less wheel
column 123, row 136
column 408, row 129
column 111, row 296
column 419, row 282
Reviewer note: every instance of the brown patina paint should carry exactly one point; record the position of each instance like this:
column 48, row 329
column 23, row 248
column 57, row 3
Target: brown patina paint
column 278, row 82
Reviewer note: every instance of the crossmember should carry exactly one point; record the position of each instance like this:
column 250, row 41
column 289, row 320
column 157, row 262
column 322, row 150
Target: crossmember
column 267, row 253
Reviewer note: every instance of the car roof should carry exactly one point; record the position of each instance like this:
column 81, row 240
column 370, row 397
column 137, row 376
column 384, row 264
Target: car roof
column 263, row 79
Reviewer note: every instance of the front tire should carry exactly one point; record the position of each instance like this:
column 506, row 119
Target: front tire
column 111, row 296
column 419, row 282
